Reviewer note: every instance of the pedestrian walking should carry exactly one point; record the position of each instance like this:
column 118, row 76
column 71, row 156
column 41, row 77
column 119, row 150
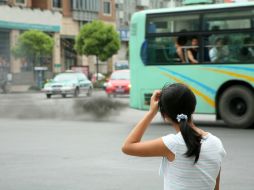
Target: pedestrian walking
column 191, row 158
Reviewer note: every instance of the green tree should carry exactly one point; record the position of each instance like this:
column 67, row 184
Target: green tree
column 98, row 39
column 33, row 45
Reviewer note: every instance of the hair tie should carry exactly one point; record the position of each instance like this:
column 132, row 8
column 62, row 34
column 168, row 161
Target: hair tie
column 180, row 117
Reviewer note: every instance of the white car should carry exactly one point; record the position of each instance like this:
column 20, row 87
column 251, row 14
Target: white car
column 68, row 83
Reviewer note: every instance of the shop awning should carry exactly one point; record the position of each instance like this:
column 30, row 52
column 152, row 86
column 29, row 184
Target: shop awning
column 26, row 19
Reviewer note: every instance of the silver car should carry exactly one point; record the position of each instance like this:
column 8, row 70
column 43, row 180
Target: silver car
column 68, row 83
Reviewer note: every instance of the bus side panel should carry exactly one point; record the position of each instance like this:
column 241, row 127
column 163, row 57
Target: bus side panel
column 137, row 33
column 204, row 81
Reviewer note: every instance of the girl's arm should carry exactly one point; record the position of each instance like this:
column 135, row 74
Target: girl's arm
column 191, row 58
column 134, row 146
column 181, row 54
column 217, row 186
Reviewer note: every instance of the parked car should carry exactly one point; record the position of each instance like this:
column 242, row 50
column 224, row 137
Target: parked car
column 68, row 82
column 118, row 83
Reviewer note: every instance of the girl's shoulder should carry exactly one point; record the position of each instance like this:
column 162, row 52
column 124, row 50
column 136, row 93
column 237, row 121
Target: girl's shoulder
column 213, row 141
column 212, row 138
column 173, row 139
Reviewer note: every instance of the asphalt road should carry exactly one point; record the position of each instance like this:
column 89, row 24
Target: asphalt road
column 74, row 144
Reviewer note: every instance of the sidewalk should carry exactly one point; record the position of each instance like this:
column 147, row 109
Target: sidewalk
column 19, row 88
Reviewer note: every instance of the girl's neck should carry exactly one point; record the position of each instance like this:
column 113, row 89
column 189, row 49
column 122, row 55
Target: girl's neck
column 191, row 124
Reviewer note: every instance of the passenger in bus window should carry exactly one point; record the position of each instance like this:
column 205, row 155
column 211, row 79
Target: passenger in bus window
column 219, row 53
column 180, row 51
column 193, row 51
column 247, row 50
column 213, row 36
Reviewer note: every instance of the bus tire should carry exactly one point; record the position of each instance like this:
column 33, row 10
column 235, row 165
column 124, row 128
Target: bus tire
column 236, row 107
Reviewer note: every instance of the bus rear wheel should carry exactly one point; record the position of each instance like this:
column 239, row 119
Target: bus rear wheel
column 236, row 107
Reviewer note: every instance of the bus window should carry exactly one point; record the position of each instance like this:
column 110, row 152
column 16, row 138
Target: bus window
column 247, row 49
column 228, row 20
column 170, row 24
column 233, row 48
column 219, row 51
column 158, row 51
column 167, row 50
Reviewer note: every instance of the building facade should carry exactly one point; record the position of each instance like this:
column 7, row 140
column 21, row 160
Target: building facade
column 17, row 16
column 62, row 20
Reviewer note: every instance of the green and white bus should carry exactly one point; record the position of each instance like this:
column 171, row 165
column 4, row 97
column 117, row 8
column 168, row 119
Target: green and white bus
column 224, row 85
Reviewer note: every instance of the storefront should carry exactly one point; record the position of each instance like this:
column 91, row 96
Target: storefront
column 16, row 20
column 5, row 45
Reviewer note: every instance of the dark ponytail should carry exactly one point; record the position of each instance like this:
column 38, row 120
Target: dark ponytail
column 178, row 102
column 192, row 140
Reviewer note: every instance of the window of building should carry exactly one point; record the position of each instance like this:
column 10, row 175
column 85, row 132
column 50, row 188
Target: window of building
column 85, row 5
column 56, row 4
column 121, row 21
column 107, row 7
column 20, row 2
column 3, row 2
column 74, row 4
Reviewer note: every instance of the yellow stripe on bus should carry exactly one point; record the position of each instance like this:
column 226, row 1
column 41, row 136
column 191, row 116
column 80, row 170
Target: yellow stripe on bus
column 232, row 74
column 206, row 98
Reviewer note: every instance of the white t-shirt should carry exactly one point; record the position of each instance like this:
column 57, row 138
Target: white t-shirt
column 217, row 55
column 182, row 173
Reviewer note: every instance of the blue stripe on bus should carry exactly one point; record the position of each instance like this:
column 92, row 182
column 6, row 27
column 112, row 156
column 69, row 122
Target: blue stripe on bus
column 234, row 67
column 207, row 88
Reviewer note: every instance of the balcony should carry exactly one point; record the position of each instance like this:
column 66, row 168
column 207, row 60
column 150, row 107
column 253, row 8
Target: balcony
column 84, row 15
column 85, row 10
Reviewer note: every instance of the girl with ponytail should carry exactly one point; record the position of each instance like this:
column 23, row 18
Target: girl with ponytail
column 191, row 158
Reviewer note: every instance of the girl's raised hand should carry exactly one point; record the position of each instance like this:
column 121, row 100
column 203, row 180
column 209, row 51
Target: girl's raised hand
column 154, row 101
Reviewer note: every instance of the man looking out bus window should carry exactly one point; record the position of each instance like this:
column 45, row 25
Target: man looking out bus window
column 219, row 53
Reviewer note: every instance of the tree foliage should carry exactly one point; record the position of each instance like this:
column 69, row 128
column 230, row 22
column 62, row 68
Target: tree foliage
column 99, row 39
column 33, row 44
